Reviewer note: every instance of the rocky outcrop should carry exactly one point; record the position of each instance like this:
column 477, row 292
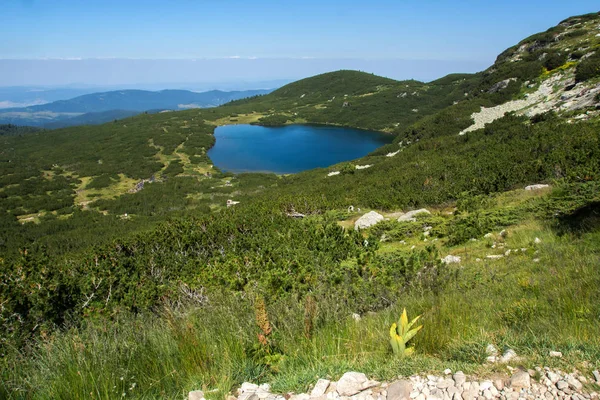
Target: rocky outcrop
column 369, row 219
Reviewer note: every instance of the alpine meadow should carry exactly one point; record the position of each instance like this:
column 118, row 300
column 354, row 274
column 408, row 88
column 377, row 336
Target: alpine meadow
column 133, row 267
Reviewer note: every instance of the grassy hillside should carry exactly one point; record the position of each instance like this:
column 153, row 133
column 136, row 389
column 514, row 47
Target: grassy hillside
column 116, row 291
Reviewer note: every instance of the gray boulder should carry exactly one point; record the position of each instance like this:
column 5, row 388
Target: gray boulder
column 367, row 220
column 410, row 216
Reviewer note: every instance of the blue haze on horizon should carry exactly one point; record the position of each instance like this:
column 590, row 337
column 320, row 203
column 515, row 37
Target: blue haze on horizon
column 110, row 42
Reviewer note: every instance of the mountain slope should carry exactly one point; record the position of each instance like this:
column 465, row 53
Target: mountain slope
column 222, row 295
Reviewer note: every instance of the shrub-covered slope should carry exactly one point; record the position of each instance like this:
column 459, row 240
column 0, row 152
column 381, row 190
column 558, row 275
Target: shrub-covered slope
column 220, row 296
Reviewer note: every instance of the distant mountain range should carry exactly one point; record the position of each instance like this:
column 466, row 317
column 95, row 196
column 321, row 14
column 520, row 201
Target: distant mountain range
column 96, row 108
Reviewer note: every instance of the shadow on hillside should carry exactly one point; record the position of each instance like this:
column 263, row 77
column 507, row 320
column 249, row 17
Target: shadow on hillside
column 583, row 220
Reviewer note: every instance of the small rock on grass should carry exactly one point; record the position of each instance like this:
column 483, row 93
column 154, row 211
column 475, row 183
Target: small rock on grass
column 196, row 395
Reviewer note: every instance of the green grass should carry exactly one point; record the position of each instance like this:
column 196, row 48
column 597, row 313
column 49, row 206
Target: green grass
column 531, row 307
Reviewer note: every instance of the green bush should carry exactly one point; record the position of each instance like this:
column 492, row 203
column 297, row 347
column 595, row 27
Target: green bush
column 554, row 60
column 588, row 68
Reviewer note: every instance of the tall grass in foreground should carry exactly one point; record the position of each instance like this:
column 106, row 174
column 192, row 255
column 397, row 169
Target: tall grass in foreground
column 532, row 307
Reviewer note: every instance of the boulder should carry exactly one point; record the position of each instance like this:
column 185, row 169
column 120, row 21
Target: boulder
column 367, row 220
column 537, row 187
column 399, row 390
column 410, row 216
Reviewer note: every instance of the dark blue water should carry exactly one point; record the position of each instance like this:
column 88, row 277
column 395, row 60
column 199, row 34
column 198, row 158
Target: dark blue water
column 290, row 148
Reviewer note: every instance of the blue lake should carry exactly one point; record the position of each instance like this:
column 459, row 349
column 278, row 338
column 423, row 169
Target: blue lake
column 290, row 148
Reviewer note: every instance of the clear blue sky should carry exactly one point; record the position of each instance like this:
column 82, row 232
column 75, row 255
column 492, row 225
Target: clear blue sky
column 473, row 31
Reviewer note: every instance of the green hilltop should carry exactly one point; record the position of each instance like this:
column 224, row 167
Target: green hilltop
column 123, row 270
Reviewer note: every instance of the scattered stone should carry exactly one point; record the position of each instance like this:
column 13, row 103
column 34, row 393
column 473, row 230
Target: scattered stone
column 556, row 354
column 491, row 350
column 249, row 387
column 369, row 219
column 448, row 371
column 508, row 355
column 400, row 390
column 333, row 173
column 561, row 385
column 596, row 376
column 459, row 378
column 574, row 383
column 410, row 216
column 351, row 383
column 320, row 388
column 537, row 240
column 488, row 235
column 503, row 233
column 520, row 380
column 450, row 259
column 363, row 166
column 232, row 203
column 494, row 256
column 196, row 395
column 536, row 187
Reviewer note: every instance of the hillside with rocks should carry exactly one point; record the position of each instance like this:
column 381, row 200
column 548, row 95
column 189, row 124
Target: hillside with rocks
column 132, row 267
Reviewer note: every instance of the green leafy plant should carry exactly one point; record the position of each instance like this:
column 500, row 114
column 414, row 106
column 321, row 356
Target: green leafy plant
column 401, row 333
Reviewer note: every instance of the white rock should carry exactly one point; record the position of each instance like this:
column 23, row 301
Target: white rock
column 562, row 385
column 494, row 256
column 596, row 376
column 553, row 377
column 367, row 220
column 196, row 395
column 508, row 355
column 249, row 387
column 356, row 317
column 400, row 390
column 333, row 173
column 392, row 154
column 448, row 371
column 410, row 216
column 450, row 259
column 491, row 350
column 520, row 380
column 556, row 354
column 351, row 383
column 537, row 240
column 536, row 187
column 485, row 385
column 574, row 383
column 459, row 378
column 363, row 166
column 320, row 388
